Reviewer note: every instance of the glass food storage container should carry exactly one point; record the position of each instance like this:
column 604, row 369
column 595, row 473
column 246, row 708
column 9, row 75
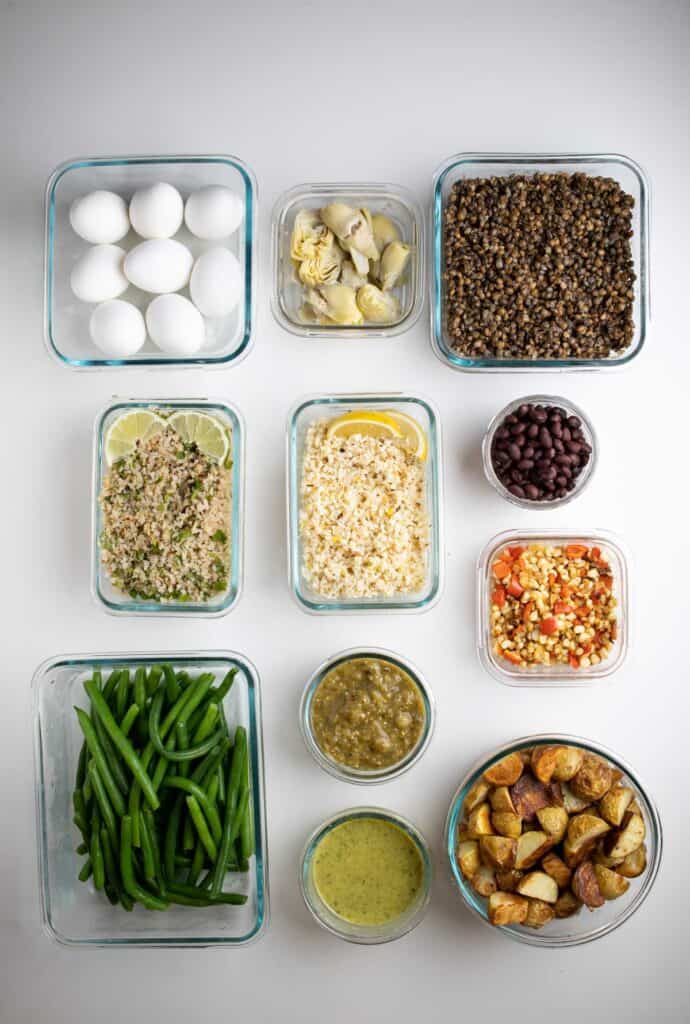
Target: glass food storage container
column 550, row 401
column 393, row 201
column 73, row 913
column 367, row 776
column 552, row 675
column 362, row 933
column 326, row 407
column 116, row 601
column 66, row 318
column 625, row 171
column 584, row 926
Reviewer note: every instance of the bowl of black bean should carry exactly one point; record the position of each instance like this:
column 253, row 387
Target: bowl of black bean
column 539, row 451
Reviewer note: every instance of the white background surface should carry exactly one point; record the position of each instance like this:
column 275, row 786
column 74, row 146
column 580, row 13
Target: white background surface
column 315, row 91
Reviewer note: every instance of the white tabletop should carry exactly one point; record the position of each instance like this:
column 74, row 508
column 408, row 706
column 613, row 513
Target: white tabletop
column 360, row 91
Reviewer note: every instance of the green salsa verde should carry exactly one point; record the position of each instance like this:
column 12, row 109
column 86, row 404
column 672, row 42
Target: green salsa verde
column 368, row 871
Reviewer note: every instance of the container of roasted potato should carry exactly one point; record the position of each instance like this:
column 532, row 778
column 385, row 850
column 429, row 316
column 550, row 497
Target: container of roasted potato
column 553, row 840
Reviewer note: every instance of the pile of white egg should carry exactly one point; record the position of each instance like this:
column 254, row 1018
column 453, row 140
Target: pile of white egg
column 159, row 265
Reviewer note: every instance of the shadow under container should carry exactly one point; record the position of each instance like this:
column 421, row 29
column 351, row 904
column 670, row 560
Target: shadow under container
column 584, row 926
column 66, row 318
column 72, row 912
column 622, row 169
column 116, row 601
column 355, row 775
column 359, row 933
column 326, row 407
column 552, row 675
column 395, row 202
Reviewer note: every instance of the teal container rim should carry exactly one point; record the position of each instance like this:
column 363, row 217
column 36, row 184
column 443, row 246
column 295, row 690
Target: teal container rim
column 251, row 212
column 183, row 609
column 535, row 161
column 478, row 904
column 255, row 745
column 434, row 462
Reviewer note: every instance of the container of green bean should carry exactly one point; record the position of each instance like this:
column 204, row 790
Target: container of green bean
column 150, row 799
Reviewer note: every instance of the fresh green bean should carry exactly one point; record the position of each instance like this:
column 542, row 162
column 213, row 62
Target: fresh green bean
column 193, row 891
column 172, row 687
column 112, row 873
column 182, row 737
column 201, row 827
column 218, row 695
column 202, row 800
column 103, row 802
column 131, row 886
column 85, row 872
column 121, row 694
column 155, row 847
column 197, row 862
column 236, row 772
column 153, row 678
column 156, row 734
column 112, row 756
column 205, row 727
column 110, row 685
column 170, row 840
column 238, row 768
column 130, row 718
column 98, row 678
column 96, row 751
column 79, row 804
column 81, row 766
column 81, row 849
column 97, row 862
column 247, row 834
column 147, row 850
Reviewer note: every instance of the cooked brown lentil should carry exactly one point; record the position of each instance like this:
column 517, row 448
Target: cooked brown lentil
column 538, row 267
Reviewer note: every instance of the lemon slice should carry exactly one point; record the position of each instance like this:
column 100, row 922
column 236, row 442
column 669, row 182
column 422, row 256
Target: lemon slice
column 414, row 436
column 370, row 423
column 129, row 428
column 204, row 431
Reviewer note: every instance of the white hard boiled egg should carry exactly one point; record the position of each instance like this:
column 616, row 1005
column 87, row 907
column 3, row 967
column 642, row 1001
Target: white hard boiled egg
column 216, row 282
column 100, row 217
column 159, row 265
column 98, row 275
column 213, row 212
column 175, row 325
column 156, row 211
column 117, row 328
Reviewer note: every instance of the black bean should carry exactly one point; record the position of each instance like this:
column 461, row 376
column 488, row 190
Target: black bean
column 532, row 492
column 574, row 422
column 514, row 451
column 502, row 433
column 516, row 490
column 545, row 438
column 528, row 452
column 533, row 430
column 561, row 481
column 526, row 464
column 566, row 435
column 558, row 445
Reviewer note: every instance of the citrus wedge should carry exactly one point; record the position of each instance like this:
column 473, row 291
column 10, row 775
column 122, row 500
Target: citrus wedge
column 206, row 432
column 129, row 428
column 413, row 435
column 369, row 423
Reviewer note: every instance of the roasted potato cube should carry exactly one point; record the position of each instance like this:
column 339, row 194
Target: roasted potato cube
column 567, row 904
column 467, row 855
column 593, row 779
column 500, row 799
column 616, row 776
column 634, row 807
column 507, row 823
column 479, row 822
column 554, row 821
column 611, row 884
column 483, row 881
column 463, row 832
column 583, row 832
column 507, row 880
column 507, row 908
column 568, row 763
column 573, row 804
column 634, row 864
column 498, row 851
column 558, row 869
column 615, row 803
column 530, row 847
column 505, row 772
column 626, row 839
column 585, row 885
column 543, row 762
column 555, row 794
column 539, row 886
column 539, row 913
column 476, row 795
column 526, row 755
column 599, row 857
column 529, row 795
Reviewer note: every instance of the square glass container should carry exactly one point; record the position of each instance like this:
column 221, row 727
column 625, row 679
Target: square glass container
column 319, row 407
column 119, row 603
column 73, row 913
column 395, row 202
column 66, row 318
column 552, row 675
column 625, row 171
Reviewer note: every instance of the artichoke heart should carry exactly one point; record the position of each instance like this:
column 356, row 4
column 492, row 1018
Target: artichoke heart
column 308, row 315
column 337, row 302
column 393, row 262
column 307, row 232
column 384, row 230
column 353, row 229
column 324, row 266
column 377, row 306
column 350, row 276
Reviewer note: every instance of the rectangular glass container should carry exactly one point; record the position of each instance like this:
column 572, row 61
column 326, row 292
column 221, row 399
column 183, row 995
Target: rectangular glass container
column 317, row 407
column 552, row 675
column 117, row 602
column 392, row 200
column 625, row 171
column 73, row 913
column 66, row 318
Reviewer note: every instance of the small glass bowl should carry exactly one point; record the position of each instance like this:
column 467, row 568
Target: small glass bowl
column 343, row 771
column 585, row 926
column 317, row 407
column 365, row 934
column 552, row 675
column 632, row 179
column 393, row 200
column 546, row 400
column 115, row 601
column 66, row 319
column 73, row 913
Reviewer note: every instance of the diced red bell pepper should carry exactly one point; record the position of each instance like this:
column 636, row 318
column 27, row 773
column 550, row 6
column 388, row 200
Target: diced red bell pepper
column 512, row 657
column 501, row 569
column 561, row 608
column 573, row 661
column 516, row 552
column 514, row 588
column 575, row 550
column 499, row 596
column 549, row 626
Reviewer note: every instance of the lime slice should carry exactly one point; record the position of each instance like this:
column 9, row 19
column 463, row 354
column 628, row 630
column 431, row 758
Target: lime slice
column 204, row 431
column 129, row 428
column 369, row 423
column 414, row 436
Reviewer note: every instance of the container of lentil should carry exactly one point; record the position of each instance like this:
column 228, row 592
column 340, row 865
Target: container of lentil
column 553, row 607
column 168, row 497
column 366, row 875
column 539, row 261
column 367, row 715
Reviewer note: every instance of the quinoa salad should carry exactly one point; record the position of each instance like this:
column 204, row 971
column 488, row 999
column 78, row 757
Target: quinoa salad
column 165, row 521
column 364, row 525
